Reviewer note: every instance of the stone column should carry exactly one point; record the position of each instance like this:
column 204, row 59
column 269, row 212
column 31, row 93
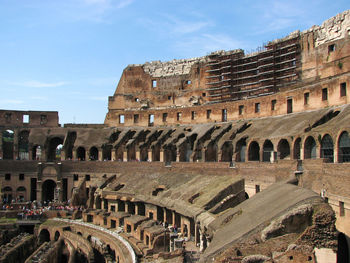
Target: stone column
column 113, row 157
column 125, row 156
column 203, row 155
column 74, row 154
column 161, row 156
column 149, row 156
column 15, row 144
column 137, row 155
column 100, row 154
column 219, row 156
column 177, row 156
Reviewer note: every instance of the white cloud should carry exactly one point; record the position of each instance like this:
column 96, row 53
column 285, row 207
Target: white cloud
column 38, row 84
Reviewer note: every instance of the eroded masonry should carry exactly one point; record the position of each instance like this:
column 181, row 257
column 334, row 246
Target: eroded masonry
column 231, row 157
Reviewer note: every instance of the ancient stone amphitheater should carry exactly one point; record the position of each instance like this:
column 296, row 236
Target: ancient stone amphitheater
column 231, row 157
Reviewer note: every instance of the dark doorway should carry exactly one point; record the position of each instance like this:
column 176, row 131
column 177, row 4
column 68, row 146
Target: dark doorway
column 343, row 249
column 48, row 190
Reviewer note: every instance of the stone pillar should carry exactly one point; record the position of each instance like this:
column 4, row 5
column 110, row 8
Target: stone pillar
column 113, row 155
column 149, row 154
column 137, row 155
column 161, row 156
column 15, row 144
column 74, row 154
column 219, row 156
column 39, row 191
column 203, row 155
column 87, row 155
column 125, row 156
column 100, row 154
column 177, row 156
column 318, row 150
column 164, row 213
column 335, row 152
column 136, row 208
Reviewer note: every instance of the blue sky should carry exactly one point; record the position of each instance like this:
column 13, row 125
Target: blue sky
column 68, row 55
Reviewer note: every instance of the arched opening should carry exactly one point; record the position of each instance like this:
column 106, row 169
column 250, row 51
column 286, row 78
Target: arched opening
column 119, row 153
column 7, row 144
column 310, row 148
column 81, row 153
column 70, row 140
column 36, row 153
column 170, row 153
column 48, row 190
column 156, row 153
column 54, row 149
column 144, row 154
column 7, row 194
column 227, row 152
column 297, row 149
column 20, row 193
column 327, row 148
column 211, row 152
column 343, row 249
column 283, row 149
column 267, row 151
column 246, row 195
column 57, row 235
column 131, row 152
column 241, row 146
column 185, row 152
column 23, row 145
column 107, row 152
column 344, row 148
column 253, row 151
column 93, row 154
column 44, row 236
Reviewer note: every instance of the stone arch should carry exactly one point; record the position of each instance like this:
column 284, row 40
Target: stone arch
column 185, row 152
column 327, row 148
column 107, row 152
column 7, row 194
column 54, row 149
column 93, row 153
column 44, row 236
column 119, row 153
column 81, row 153
column 267, row 150
column 344, row 148
column 144, row 154
column 8, row 144
column 36, row 152
column 211, row 152
column 69, row 144
column 241, row 147
column 254, row 151
column 23, row 145
column 48, row 190
column 156, row 153
column 131, row 152
column 170, row 153
column 227, row 152
column 283, row 149
column 297, row 149
column 310, row 148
